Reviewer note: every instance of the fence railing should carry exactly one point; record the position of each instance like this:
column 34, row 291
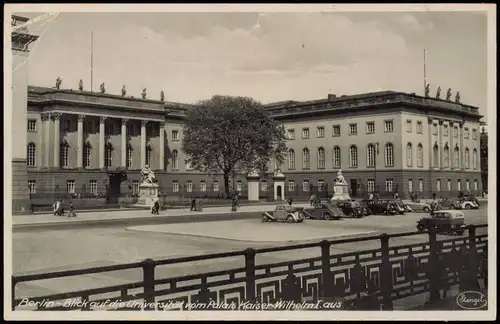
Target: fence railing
column 372, row 279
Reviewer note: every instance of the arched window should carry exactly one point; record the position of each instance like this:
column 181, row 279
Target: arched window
column 456, row 157
column 130, row 152
column 321, row 158
column 291, row 159
column 409, row 155
column 87, row 155
column 175, row 160
column 420, row 155
column 64, row 155
column 31, row 155
column 435, row 156
column 108, row 161
column 370, row 155
column 353, row 156
column 149, row 156
column 446, row 156
column 474, row 159
column 467, row 158
column 336, row 158
column 389, row 154
column 306, row 159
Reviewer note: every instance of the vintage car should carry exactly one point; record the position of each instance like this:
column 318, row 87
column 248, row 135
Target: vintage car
column 283, row 213
column 418, row 207
column 381, row 207
column 367, row 211
column 470, row 197
column 450, row 221
column 351, row 208
column 324, row 211
column 458, row 204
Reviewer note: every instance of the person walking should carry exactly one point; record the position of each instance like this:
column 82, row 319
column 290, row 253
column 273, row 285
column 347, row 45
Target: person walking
column 71, row 210
column 193, row 204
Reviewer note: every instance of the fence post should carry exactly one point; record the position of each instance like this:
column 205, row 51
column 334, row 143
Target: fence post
column 250, row 274
column 148, row 270
column 469, row 278
column 13, row 296
column 386, row 284
column 327, row 286
column 433, row 270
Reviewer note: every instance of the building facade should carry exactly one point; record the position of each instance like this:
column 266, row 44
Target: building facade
column 385, row 142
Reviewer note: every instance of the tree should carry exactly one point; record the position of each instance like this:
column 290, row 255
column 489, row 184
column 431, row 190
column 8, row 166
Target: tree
column 232, row 134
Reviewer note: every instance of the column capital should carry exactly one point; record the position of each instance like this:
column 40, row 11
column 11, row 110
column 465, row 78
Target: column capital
column 45, row 116
column 81, row 117
column 144, row 123
column 102, row 119
column 162, row 124
column 56, row 116
column 125, row 121
column 441, row 122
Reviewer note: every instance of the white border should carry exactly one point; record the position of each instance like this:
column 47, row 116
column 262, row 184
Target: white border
column 234, row 315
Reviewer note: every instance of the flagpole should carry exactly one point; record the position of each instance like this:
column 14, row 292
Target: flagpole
column 425, row 72
column 91, row 61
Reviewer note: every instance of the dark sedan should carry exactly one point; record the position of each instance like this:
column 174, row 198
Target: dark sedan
column 324, row 211
column 352, row 209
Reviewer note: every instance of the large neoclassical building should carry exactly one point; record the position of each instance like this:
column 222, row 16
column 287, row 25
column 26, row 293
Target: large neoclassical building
column 384, row 141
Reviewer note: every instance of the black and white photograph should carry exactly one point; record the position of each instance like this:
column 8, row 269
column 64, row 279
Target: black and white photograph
column 249, row 162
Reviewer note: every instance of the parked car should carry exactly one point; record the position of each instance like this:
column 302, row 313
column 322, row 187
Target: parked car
column 381, row 207
column 457, row 204
column 324, row 211
column 366, row 209
column 419, row 207
column 351, row 208
column 470, row 197
column 283, row 213
column 450, row 221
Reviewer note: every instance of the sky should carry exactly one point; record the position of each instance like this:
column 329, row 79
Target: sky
column 268, row 56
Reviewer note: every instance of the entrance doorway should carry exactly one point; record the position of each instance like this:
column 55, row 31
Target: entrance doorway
column 113, row 190
column 354, row 187
column 279, row 193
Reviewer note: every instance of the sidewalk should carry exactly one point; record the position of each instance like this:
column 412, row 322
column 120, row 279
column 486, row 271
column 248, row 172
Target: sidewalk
column 124, row 214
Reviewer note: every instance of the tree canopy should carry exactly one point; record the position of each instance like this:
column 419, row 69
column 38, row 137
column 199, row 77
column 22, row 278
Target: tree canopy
column 232, row 134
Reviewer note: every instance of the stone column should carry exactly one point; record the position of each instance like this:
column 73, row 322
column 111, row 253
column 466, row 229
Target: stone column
column 162, row 146
column 102, row 144
column 79, row 159
column 253, row 179
column 431, row 143
column 143, row 143
column 451, row 145
column 440, row 145
column 461, row 146
column 124, row 142
column 57, row 139
column 46, row 140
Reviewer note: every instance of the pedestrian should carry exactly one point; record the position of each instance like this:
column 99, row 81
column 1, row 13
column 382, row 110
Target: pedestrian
column 193, row 204
column 71, row 210
column 370, row 197
column 396, row 195
column 433, row 196
column 156, row 207
column 290, row 201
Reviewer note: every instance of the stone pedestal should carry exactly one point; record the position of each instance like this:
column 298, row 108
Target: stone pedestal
column 279, row 186
column 340, row 192
column 148, row 194
column 253, row 179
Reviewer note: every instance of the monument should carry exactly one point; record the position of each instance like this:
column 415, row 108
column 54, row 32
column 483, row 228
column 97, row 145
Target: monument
column 340, row 188
column 148, row 188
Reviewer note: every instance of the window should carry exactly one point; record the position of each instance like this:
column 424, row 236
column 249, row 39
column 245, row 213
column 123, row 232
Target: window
column 70, row 186
column 421, row 185
column 149, row 155
column 438, row 185
column 409, row 155
column 263, row 186
column 419, row 127
column 321, row 131
column 135, row 187
column 109, row 156
column 459, row 184
column 175, row 135
column 435, row 156
column 291, row 134
column 239, row 186
column 466, row 133
column 64, row 155
column 31, row 125
column 336, row 157
column 305, row 133
column 87, row 155
column 189, row 186
column 175, row 186
column 389, row 185
column 130, row 152
column 474, row 159
column 420, row 156
column 455, row 131
column 291, row 185
column 305, row 185
column 409, row 126
column 32, row 186
column 389, row 126
column 467, row 185
column 215, row 186
column 321, row 158
column 336, row 130
column 203, row 186
column 321, row 185
column 93, row 186
column 353, row 156
column 370, row 155
column 353, row 129
column 448, row 186
column 456, row 158
column 445, row 130
column 131, row 129
column 291, row 159
column 474, row 134
column 410, row 185
column 31, row 155
column 434, row 129
column 446, row 156
column 87, row 127
column 371, row 185
column 389, row 155
column 370, row 128
column 110, row 127
column 467, row 158
column 305, row 159
column 476, row 185
column 175, row 160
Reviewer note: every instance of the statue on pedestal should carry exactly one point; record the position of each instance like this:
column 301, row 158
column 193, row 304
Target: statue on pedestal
column 80, row 85
column 147, row 176
column 162, row 96
column 58, row 83
column 341, row 191
column 448, row 94
column 144, row 93
column 438, row 93
column 457, row 97
column 427, row 90
column 340, row 178
column 103, row 89
column 124, row 91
